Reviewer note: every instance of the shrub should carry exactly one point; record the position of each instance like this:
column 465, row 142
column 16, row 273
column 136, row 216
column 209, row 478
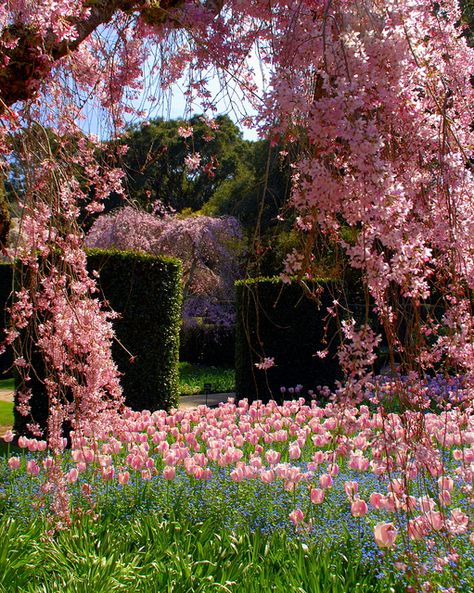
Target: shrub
column 205, row 343
column 6, row 280
column 277, row 320
column 146, row 292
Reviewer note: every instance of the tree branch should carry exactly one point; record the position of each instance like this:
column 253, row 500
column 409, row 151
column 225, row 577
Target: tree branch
column 33, row 56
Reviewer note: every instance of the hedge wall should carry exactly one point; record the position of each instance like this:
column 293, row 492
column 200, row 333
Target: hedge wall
column 146, row 291
column 277, row 320
column 6, row 280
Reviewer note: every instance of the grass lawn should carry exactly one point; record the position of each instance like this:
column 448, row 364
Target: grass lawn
column 6, row 413
column 194, row 376
column 192, row 380
column 7, row 384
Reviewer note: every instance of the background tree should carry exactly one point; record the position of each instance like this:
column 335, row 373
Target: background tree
column 209, row 248
column 157, row 161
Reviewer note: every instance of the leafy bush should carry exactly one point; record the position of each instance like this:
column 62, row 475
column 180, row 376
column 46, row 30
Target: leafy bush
column 205, row 343
column 146, row 291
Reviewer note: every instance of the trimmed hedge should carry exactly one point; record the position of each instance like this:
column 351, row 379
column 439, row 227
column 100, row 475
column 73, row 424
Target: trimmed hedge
column 277, row 320
column 6, row 285
column 146, row 291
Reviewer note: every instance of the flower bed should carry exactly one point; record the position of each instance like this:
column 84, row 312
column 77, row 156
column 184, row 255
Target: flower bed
column 397, row 486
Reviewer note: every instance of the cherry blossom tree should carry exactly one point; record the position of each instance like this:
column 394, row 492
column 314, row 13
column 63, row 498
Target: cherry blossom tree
column 377, row 96
column 209, row 248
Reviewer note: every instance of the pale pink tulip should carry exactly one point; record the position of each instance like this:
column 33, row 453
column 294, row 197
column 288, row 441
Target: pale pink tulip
column 385, row 534
column 123, row 477
column 296, row 516
column 32, row 468
column 72, row 475
column 359, row 508
column 14, row 462
column 325, row 481
column 377, row 500
column 351, row 489
column 294, row 451
column 169, row 472
column 445, row 483
column 9, row 436
column 317, row 495
column 418, row 528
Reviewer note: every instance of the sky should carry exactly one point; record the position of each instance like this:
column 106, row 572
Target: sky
column 174, row 104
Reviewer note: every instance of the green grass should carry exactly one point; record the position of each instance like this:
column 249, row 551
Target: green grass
column 6, row 413
column 194, row 376
column 192, row 380
column 7, row 384
column 149, row 555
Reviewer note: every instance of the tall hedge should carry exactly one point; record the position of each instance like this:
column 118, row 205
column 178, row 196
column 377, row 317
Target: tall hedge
column 146, row 291
column 277, row 320
column 6, row 284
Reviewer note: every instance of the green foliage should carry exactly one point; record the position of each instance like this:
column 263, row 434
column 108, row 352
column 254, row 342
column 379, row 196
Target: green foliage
column 6, row 413
column 146, row 291
column 192, row 378
column 7, row 384
column 207, row 344
column 6, row 285
column 147, row 555
column 155, row 161
column 277, row 320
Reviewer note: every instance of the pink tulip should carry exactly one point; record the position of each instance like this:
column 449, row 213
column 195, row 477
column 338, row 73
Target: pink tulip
column 169, row 472
column 457, row 522
column 108, row 473
column 123, row 477
column 296, row 516
column 23, row 442
column 385, row 534
column 294, row 452
column 267, row 476
column 9, row 436
column 14, row 462
column 325, row 481
column 377, row 500
column 435, row 520
column 32, row 468
column 272, row 456
column 359, row 508
column 426, row 503
column 418, row 528
column 48, row 462
column 351, row 488
column 445, row 483
column 317, row 495
column 445, row 497
column 72, row 475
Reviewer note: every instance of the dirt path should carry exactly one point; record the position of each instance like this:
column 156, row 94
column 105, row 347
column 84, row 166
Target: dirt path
column 6, row 396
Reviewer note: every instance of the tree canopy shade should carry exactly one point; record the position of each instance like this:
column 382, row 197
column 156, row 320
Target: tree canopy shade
column 376, row 96
column 157, row 156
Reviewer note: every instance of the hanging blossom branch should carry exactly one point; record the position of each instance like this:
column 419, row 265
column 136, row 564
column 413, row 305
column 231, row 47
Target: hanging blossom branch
column 36, row 35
